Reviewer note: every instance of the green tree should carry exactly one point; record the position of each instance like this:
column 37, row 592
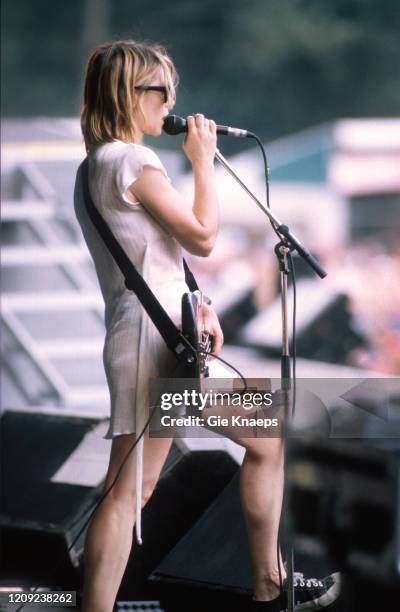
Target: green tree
column 269, row 65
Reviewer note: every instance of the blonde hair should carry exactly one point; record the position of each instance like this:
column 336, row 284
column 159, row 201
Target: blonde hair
column 110, row 98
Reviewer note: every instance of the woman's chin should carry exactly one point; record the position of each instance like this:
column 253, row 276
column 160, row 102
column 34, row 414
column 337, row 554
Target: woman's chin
column 155, row 132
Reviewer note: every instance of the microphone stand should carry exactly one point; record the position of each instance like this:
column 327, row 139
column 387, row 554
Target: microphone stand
column 287, row 243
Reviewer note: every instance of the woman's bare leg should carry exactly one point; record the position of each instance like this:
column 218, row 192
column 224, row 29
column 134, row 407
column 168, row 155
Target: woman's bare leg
column 261, row 491
column 109, row 537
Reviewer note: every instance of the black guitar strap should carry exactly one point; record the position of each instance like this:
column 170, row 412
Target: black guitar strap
column 189, row 278
column 172, row 336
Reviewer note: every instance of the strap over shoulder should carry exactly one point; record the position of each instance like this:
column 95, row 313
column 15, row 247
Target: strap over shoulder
column 134, row 281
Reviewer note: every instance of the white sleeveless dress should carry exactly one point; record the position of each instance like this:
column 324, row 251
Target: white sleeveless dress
column 134, row 351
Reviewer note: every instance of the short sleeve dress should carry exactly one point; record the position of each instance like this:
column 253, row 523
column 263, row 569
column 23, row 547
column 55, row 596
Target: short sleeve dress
column 134, row 351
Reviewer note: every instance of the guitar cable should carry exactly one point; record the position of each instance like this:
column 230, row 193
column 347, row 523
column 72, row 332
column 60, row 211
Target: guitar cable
column 293, row 405
column 294, row 347
column 96, row 505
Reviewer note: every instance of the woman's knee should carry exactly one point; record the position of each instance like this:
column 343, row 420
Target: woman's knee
column 118, row 506
column 127, row 495
column 123, row 493
column 264, row 448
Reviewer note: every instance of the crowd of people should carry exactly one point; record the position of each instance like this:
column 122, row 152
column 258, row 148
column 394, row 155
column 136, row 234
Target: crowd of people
column 369, row 273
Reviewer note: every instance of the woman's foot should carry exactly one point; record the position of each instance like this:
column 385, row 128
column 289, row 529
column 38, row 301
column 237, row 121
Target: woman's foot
column 309, row 594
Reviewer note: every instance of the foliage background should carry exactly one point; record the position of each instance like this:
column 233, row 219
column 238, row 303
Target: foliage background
column 272, row 66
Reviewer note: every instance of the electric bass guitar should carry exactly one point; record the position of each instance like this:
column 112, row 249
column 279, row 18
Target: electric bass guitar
column 191, row 329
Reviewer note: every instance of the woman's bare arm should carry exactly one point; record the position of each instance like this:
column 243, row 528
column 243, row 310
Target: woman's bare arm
column 194, row 228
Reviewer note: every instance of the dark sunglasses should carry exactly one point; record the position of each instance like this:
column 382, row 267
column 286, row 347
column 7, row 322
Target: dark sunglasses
column 160, row 88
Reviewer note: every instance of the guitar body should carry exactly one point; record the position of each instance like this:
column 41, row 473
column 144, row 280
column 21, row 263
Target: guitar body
column 191, row 329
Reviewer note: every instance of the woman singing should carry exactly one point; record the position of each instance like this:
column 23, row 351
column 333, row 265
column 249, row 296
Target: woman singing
column 129, row 90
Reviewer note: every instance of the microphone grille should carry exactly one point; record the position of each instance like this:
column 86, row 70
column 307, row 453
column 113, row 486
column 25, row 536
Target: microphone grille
column 174, row 125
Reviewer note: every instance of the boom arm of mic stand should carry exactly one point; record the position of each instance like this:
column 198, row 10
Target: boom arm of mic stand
column 279, row 226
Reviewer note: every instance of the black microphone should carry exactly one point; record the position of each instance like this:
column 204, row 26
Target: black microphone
column 174, row 125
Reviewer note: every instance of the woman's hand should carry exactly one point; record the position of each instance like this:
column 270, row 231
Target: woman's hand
column 209, row 324
column 200, row 142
